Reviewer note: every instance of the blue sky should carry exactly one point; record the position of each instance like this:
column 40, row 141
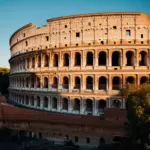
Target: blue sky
column 16, row 13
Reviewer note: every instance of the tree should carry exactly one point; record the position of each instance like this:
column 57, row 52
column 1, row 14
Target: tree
column 138, row 102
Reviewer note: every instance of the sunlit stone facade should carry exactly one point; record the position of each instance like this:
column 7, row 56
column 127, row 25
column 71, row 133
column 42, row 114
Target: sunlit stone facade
column 77, row 64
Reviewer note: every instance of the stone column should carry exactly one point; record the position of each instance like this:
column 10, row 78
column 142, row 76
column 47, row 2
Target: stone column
column 60, row 59
column 94, row 107
column 36, row 60
column 83, row 83
column 58, row 103
column 148, row 59
column 35, row 102
column 42, row 102
column 70, row 83
column 96, row 58
column 83, row 58
column 71, row 59
column 109, row 83
column 109, row 57
column 70, row 104
column 137, row 80
column 41, row 60
column 82, row 107
column 96, row 82
column 49, row 102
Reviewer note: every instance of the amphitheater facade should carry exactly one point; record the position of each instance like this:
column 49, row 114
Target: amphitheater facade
column 77, row 64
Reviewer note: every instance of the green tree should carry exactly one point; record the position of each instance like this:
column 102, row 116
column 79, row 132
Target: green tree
column 138, row 102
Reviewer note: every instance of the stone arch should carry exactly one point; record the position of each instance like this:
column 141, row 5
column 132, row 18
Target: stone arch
column 54, row 103
column 130, row 58
column 45, row 102
column 46, row 60
column 55, row 82
column 38, row 83
column 101, row 105
column 144, row 80
column 28, row 62
column 32, row 100
column 116, row 58
column 130, row 80
column 32, row 82
column 65, row 82
column 77, row 59
column 27, row 100
column 116, row 104
column 102, row 59
column 89, row 105
column 38, row 101
column 33, row 62
column 89, row 59
column 102, row 83
column 77, row 83
column 77, row 104
column 143, row 58
column 55, row 60
column 65, row 104
column 39, row 61
column 116, row 83
column 66, row 60
column 89, row 83
column 45, row 82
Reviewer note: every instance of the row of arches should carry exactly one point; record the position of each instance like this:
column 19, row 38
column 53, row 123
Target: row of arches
column 64, row 103
column 117, row 82
column 116, row 59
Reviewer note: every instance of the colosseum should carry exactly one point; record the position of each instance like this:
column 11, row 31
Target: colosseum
column 77, row 64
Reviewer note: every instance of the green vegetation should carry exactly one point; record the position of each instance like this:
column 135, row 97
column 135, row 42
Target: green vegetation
column 138, row 102
column 4, row 70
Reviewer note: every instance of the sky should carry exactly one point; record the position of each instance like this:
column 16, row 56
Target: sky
column 17, row 13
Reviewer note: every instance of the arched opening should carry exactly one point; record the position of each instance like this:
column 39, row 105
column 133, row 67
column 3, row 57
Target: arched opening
column 38, row 101
column 143, row 58
column 65, row 83
column 45, row 102
column 130, row 80
column 65, row 103
column 89, row 83
column 89, row 105
column 115, row 58
column 66, row 59
column 116, row 83
column 144, row 80
column 89, row 59
column 116, row 104
column 101, row 105
column 32, row 100
column 77, row 83
column 77, row 104
column 77, row 59
column 130, row 58
column 28, row 62
column 55, row 61
column 102, row 59
column 102, row 141
column 32, row 82
column 55, row 83
column 27, row 100
column 33, row 62
column 45, row 82
column 46, row 60
column 38, row 83
column 27, row 82
column 54, row 103
column 39, row 61
column 102, row 83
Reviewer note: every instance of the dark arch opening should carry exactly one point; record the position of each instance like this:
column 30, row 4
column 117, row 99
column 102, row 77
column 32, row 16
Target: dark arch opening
column 115, row 58
column 55, row 61
column 144, row 80
column 46, row 61
column 45, row 102
column 77, row 104
column 54, row 103
column 130, row 58
column 65, row 104
column 102, row 141
column 33, row 62
column 101, row 105
column 77, row 59
column 89, row 105
column 102, row 83
column 89, row 59
column 38, row 83
column 55, row 82
column 89, row 83
column 130, row 80
column 102, row 59
column 77, row 83
column 27, row 100
column 45, row 82
column 66, row 59
column 38, row 101
column 32, row 100
column 116, row 104
column 32, row 82
column 116, row 83
column 143, row 58
column 65, row 83
column 39, row 61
